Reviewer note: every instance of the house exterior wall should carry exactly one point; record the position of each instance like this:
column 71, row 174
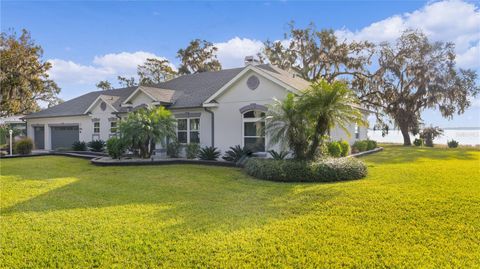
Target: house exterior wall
column 205, row 122
column 104, row 117
column 84, row 123
column 229, row 120
column 141, row 98
column 339, row 134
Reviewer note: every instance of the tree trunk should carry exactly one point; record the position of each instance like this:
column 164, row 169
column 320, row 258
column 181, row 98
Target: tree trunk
column 406, row 135
column 317, row 137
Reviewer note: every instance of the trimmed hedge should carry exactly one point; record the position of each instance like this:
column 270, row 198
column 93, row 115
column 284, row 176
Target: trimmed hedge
column 324, row 170
column 360, row 145
column 115, row 147
column 418, row 142
column 371, row 144
column 364, row 145
column 345, row 148
column 334, row 149
column 24, row 146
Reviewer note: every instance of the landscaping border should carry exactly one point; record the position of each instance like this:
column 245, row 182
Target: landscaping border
column 363, row 153
column 76, row 154
column 96, row 159
column 124, row 162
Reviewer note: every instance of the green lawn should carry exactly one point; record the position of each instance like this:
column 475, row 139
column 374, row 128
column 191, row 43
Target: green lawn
column 417, row 208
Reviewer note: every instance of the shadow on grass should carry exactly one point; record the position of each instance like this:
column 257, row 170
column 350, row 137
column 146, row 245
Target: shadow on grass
column 401, row 154
column 200, row 196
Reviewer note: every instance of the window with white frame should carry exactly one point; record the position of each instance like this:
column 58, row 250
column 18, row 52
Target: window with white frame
column 188, row 130
column 254, row 130
column 96, row 127
column 113, row 127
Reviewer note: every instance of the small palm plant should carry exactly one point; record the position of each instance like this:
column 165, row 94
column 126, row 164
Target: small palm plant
column 282, row 155
column 286, row 126
column 209, row 154
column 236, row 153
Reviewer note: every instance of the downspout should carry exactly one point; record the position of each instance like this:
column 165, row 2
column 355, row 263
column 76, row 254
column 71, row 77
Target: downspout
column 213, row 124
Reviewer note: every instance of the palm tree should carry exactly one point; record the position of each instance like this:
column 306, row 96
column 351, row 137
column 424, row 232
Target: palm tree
column 286, row 126
column 144, row 128
column 326, row 105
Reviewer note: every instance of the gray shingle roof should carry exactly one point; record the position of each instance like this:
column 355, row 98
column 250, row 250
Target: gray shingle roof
column 188, row 91
column 192, row 90
column 162, row 95
column 77, row 106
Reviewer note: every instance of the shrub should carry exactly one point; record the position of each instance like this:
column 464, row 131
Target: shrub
column 429, row 134
column 345, row 148
column 192, row 150
column 173, row 149
column 209, row 153
column 324, row 170
column 282, row 155
column 452, row 143
column 236, row 153
column 371, row 144
column 79, row 146
column 96, row 145
column 334, row 149
column 360, row 145
column 418, row 142
column 278, row 170
column 337, row 169
column 115, row 147
column 24, row 146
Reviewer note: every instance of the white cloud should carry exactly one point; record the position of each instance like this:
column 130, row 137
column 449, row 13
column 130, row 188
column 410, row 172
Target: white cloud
column 70, row 72
column 107, row 66
column 124, row 61
column 451, row 20
column 470, row 58
column 232, row 53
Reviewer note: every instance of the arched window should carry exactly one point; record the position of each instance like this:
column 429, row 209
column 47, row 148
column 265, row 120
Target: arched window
column 254, row 130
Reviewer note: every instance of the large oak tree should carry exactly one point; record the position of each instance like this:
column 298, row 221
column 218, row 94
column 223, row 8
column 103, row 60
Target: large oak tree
column 154, row 71
column 407, row 77
column 151, row 72
column 319, row 54
column 24, row 80
column 199, row 56
column 415, row 74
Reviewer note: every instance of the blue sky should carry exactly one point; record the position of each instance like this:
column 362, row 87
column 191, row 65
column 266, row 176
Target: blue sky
column 90, row 41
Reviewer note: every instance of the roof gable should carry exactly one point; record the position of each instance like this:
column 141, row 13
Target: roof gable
column 156, row 94
column 108, row 99
column 284, row 83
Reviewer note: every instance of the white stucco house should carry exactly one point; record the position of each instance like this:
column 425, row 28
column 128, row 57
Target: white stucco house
column 222, row 109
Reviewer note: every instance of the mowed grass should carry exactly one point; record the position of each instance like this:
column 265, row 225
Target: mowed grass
column 417, row 208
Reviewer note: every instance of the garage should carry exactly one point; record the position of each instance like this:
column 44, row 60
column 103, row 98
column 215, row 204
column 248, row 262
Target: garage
column 64, row 136
column 39, row 137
